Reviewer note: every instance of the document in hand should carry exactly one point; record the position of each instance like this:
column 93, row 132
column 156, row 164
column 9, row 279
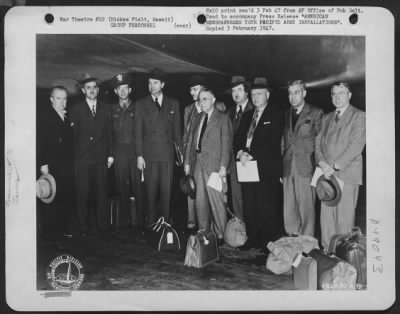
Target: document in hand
column 215, row 181
column 247, row 172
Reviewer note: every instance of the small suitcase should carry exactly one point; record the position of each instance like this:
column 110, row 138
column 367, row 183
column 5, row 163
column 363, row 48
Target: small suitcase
column 201, row 249
column 351, row 247
column 305, row 272
column 333, row 273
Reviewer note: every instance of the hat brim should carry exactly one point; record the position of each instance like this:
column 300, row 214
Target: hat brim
column 261, row 86
column 335, row 185
column 122, row 83
column 48, row 177
column 245, row 84
column 89, row 79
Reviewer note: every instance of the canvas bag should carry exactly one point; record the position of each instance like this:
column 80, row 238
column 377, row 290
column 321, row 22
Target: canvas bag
column 235, row 231
column 161, row 236
column 304, row 272
column 284, row 251
column 201, row 249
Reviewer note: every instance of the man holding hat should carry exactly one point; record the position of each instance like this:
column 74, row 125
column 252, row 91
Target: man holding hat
column 91, row 123
column 259, row 138
column 302, row 124
column 338, row 151
column 123, row 139
column 240, row 95
column 158, row 128
column 192, row 112
column 210, row 140
column 55, row 159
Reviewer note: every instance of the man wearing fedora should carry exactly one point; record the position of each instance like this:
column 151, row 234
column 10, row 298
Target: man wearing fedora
column 259, row 138
column 338, row 151
column 91, row 126
column 125, row 159
column 158, row 128
column 210, row 139
column 302, row 124
column 240, row 95
column 55, row 159
column 192, row 112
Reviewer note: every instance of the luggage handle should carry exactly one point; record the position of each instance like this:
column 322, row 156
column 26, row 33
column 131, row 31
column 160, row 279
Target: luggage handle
column 204, row 236
column 161, row 221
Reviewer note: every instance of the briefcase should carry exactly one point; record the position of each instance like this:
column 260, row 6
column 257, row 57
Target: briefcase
column 162, row 236
column 305, row 272
column 201, row 249
column 333, row 273
column 351, row 247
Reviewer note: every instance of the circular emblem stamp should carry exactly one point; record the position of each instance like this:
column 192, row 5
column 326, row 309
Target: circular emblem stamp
column 65, row 273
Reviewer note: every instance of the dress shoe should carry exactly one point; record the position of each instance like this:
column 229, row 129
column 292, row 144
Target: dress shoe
column 67, row 235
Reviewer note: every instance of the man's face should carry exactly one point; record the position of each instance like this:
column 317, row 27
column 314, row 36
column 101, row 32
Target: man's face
column 296, row 95
column 259, row 97
column 340, row 96
column 195, row 91
column 155, row 86
column 207, row 101
column 123, row 91
column 59, row 99
column 239, row 94
column 91, row 90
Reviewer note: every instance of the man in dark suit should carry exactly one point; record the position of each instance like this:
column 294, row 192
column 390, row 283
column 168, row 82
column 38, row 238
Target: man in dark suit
column 126, row 173
column 302, row 124
column 55, row 156
column 338, row 151
column 259, row 138
column 211, row 140
column 91, row 126
column 191, row 112
column 240, row 95
column 158, row 128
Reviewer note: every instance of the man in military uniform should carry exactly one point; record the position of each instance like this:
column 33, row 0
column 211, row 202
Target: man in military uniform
column 123, row 138
column 158, row 128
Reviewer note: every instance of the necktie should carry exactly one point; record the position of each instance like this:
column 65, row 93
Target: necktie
column 93, row 111
column 295, row 116
column 157, row 103
column 337, row 116
column 203, row 129
column 238, row 117
column 253, row 125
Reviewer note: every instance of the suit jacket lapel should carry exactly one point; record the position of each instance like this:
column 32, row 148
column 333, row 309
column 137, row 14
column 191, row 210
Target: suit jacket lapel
column 302, row 118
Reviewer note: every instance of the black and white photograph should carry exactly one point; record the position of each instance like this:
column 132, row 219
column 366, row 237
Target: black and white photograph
column 178, row 165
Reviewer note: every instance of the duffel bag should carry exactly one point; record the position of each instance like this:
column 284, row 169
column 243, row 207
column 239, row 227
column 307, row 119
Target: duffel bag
column 305, row 272
column 201, row 249
column 161, row 236
column 235, row 231
column 333, row 273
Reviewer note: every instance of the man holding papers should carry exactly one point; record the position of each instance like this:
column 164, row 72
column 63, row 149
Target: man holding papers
column 259, row 138
column 302, row 124
column 210, row 139
column 338, row 151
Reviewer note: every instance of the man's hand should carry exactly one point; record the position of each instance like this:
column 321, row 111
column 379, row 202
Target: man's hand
column 44, row 169
column 222, row 172
column 245, row 157
column 110, row 161
column 239, row 154
column 326, row 169
column 187, row 170
column 141, row 163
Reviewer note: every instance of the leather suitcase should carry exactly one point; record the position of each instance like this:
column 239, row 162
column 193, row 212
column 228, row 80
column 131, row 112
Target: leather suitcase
column 333, row 273
column 201, row 249
column 351, row 247
column 304, row 272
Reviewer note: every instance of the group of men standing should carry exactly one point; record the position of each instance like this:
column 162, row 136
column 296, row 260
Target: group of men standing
column 141, row 139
